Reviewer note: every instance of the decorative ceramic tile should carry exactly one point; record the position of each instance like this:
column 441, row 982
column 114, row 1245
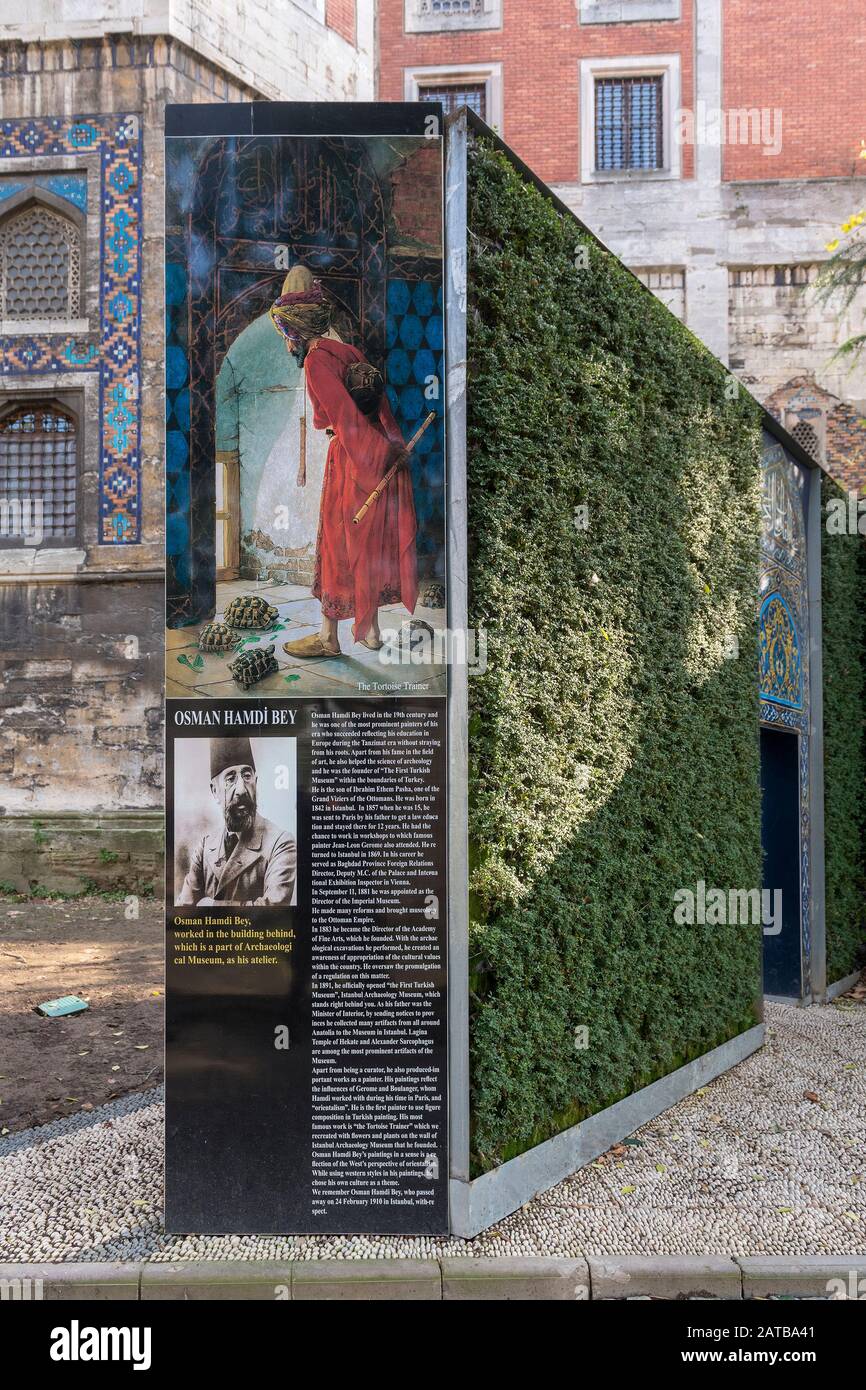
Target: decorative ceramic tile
column 113, row 351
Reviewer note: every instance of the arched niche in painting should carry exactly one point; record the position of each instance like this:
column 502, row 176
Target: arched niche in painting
column 256, row 207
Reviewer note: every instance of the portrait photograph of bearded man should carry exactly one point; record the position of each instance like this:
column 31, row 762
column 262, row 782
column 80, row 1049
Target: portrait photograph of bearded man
column 227, row 849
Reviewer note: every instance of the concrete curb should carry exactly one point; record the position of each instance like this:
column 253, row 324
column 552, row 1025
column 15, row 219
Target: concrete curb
column 810, row 1276
column 216, row 1279
column 514, row 1279
column 450, row 1279
column 367, row 1280
column 842, row 986
column 64, row 1282
column 665, row 1276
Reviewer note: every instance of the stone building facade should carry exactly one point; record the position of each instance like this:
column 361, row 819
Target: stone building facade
column 712, row 144
column 83, row 87
column 729, row 233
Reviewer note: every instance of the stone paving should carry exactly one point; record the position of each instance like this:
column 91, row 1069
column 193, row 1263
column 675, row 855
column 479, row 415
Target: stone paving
column 769, row 1159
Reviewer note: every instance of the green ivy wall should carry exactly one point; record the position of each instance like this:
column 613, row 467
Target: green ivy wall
column 614, row 737
column 843, row 602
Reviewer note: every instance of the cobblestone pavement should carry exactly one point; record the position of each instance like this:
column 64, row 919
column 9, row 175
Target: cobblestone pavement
column 769, row 1159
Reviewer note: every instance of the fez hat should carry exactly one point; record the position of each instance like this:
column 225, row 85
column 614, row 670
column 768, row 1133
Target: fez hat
column 230, row 752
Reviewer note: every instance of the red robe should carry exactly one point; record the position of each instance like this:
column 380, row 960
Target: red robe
column 358, row 568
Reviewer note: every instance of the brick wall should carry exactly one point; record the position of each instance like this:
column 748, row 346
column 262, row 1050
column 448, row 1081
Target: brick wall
column 838, row 426
column 342, row 17
column 846, row 448
column 806, row 59
column 803, row 58
column 540, row 47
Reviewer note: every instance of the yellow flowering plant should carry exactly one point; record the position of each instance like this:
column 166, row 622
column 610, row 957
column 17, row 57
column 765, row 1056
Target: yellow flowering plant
column 846, row 269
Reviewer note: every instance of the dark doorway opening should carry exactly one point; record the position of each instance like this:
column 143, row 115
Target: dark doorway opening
column 780, row 834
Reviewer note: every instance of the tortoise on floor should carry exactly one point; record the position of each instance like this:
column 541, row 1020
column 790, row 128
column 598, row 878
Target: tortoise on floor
column 253, row 666
column 217, row 637
column 250, row 610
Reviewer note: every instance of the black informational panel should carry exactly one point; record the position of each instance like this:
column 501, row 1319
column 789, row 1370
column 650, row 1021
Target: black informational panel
column 306, row 933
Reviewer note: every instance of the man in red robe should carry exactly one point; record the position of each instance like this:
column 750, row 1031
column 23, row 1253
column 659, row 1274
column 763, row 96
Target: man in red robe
column 358, row 567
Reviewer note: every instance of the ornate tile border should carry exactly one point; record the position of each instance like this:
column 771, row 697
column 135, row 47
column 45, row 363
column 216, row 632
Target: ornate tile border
column 114, row 351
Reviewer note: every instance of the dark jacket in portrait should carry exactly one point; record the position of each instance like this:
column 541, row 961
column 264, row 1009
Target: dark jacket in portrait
column 258, row 870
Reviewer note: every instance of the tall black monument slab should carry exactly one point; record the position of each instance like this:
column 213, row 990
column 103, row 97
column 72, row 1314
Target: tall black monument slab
column 306, row 672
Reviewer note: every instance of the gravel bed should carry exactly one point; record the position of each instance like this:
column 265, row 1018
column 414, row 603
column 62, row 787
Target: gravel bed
column 766, row 1160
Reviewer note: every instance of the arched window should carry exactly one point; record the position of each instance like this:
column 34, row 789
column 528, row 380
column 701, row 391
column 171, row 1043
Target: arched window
column 40, row 265
column 38, row 475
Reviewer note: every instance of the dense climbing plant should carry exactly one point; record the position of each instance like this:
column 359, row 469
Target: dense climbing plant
column 614, row 526
column 843, row 582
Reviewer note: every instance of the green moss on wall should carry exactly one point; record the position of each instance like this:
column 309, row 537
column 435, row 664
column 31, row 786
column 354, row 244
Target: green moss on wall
column 843, row 583
column 613, row 739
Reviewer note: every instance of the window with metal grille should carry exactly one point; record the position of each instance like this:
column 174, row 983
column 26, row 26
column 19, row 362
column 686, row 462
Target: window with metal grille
column 807, row 437
column 628, row 123
column 450, row 7
column 40, row 265
column 38, row 475
column 438, row 16
column 454, row 94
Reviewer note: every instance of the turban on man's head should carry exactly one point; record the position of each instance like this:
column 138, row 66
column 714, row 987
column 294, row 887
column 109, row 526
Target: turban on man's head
column 302, row 315
column 298, row 278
